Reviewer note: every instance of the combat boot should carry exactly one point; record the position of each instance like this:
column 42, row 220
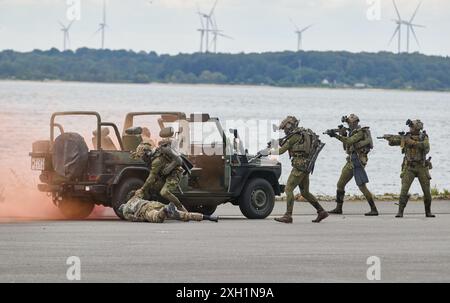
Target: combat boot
column 373, row 209
column 211, row 218
column 428, row 212
column 320, row 216
column 340, row 202
column 401, row 206
column 287, row 218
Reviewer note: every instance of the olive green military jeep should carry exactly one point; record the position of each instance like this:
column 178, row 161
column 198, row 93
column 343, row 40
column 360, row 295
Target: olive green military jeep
column 78, row 177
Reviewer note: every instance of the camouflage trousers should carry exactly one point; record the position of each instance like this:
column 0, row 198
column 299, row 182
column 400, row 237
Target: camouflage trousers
column 166, row 187
column 346, row 176
column 300, row 179
column 408, row 175
column 153, row 212
column 169, row 187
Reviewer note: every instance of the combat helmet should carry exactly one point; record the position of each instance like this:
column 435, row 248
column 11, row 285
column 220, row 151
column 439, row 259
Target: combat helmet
column 415, row 125
column 352, row 118
column 289, row 123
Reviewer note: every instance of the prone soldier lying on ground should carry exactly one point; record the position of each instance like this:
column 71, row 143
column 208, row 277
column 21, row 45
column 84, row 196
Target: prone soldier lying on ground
column 140, row 210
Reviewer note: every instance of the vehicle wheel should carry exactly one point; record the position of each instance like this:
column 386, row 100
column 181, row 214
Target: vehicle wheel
column 75, row 209
column 125, row 192
column 203, row 209
column 257, row 200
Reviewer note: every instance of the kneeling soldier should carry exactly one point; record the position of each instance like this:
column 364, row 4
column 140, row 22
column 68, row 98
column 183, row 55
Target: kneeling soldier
column 165, row 169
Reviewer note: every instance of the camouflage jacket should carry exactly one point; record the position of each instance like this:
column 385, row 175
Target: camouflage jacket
column 132, row 209
column 414, row 147
column 298, row 146
column 356, row 141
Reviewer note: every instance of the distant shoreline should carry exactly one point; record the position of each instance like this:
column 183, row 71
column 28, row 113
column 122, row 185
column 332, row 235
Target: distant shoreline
column 286, row 69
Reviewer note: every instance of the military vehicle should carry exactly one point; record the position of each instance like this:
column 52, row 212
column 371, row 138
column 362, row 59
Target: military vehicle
column 78, row 177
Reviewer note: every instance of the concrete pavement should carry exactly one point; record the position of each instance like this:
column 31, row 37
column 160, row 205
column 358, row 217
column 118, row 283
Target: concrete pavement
column 413, row 249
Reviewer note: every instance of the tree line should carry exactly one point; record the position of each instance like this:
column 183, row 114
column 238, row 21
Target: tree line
column 288, row 69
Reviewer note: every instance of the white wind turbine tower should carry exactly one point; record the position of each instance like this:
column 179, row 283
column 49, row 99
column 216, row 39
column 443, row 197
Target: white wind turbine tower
column 299, row 33
column 202, row 30
column 66, row 37
column 216, row 33
column 102, row 26
column 207, row 26
column 409, row 28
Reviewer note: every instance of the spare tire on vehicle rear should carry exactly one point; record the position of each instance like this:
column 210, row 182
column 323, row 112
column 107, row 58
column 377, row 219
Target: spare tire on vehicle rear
column 70, row 155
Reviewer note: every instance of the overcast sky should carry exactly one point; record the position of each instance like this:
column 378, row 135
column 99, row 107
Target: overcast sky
column 170, row 26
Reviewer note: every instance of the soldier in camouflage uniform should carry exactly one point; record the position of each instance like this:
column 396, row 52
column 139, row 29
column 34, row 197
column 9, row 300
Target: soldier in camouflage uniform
column 165, row 171
column 298, row 146
column 356, row 139
column 415, row 146
column 140, row 210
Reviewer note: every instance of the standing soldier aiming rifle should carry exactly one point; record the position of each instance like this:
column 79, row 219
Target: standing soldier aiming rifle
column 357, row 142
column 415, row 146
column 303, row 146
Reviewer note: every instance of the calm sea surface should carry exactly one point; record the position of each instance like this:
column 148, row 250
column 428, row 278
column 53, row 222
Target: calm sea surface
column 25, row 109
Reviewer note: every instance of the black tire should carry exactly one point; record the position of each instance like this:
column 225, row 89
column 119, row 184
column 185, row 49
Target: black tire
column 75, row 209
column 257, row 200
column 203, row 209
column 125, row 192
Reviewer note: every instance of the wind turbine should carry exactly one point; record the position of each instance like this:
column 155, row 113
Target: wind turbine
column 202, row 30
column 409, row 28
column 208, row 25
column 299, row 33
column 66, row 37
column 216, row 33
column 398, row 29
column 102, row 26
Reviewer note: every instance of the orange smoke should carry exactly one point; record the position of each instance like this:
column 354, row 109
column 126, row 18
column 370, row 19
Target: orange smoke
column 21, row 201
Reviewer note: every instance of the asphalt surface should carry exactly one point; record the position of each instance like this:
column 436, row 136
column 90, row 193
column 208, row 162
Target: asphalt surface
column 413, row 249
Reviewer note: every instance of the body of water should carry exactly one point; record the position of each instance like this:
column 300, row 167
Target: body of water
column 25, row 109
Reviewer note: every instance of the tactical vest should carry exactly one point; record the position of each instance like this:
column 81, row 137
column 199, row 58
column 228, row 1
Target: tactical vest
column 304, row 142
column 414, row 153
column 160, row 151
column 363, row 146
